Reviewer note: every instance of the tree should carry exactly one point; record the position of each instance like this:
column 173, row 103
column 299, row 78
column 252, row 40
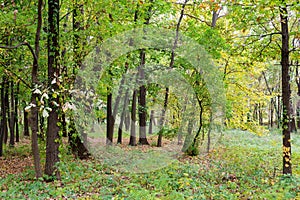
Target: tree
column 286, row 91
column 52, row 141
column 35, row 95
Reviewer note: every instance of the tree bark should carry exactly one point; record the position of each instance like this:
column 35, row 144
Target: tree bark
column 109, row 124
column 142, row 102
column 120, row 130
column 26, row 122
column 150, row 131
column 52, row 143
column 12, row 116
column 132, row 140
column 3, row 118
column 6, row 115
column 34, row 96
column 16, row 112
column 162, row 119
column 286, row 92
column 171, row 65
column 77, row 145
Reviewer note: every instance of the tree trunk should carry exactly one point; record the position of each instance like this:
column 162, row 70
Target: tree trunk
column 171, row 65
column 132, row 140
column 122, row 117
column 162, row 119
column 150, row 131
column 41, row 120
column 26, row 122
column 142, row 102
column 6, row 115
column 34, row 97
column 286, row 92
column 52, row 143
column 12, row 115
column 109, row 124
column 76, row 143
column 2, row 128
column 16, row 112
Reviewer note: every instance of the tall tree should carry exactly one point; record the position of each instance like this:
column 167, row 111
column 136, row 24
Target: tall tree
column 34, row 95
column 286, row 91
column 171, row 65
column 12, row 115
column 52, row 141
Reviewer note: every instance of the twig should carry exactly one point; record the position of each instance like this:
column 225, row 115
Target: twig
column 196, row 18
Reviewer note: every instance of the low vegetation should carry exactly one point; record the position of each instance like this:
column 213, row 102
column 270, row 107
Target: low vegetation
column 240, row 166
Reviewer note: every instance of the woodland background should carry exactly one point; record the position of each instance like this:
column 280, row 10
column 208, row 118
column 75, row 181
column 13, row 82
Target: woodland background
column 254, row 45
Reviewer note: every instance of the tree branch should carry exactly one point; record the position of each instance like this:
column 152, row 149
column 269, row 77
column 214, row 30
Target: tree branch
column 196, row 18
column 21, row 44
column 11, row 73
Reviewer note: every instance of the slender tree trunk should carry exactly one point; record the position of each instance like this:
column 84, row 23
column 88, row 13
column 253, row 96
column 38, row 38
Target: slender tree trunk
column 17, row 113
column 123, row 117
column 286, row 92
column 26, row 122
column 52, row 143
column 12, row 115
column 116, row 106
column 132, row 140
column 142, row 102
column 127, row 121
column 171, row 65
column 75, row 141
column 34, row 97
column 271, row 113
column 193, row 148
column 2, row 128
column 150, row 131
column 41, row 133
column 162, row 119
column 109, row 124
column 7, row 118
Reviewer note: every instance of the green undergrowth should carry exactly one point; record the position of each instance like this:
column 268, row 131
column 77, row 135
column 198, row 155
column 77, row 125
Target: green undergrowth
column 242, row 166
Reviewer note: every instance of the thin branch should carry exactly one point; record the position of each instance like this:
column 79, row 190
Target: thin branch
column 265, row 46
column 68, row 13
column 196, row 18
column 21, row 44
column 11, row 73
column 258, row 35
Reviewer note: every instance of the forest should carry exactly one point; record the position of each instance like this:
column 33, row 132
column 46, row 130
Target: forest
column 149, row 99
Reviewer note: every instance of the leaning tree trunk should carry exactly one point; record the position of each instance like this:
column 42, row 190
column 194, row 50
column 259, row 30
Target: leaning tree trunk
column 120, row 129
column 171, row 65
column 286, row 92
column 52, row 143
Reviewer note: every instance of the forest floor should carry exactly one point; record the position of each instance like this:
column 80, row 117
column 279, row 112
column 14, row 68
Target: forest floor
column 240, row 166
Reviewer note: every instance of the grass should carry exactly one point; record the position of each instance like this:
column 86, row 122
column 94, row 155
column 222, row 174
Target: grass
column 241, row 166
